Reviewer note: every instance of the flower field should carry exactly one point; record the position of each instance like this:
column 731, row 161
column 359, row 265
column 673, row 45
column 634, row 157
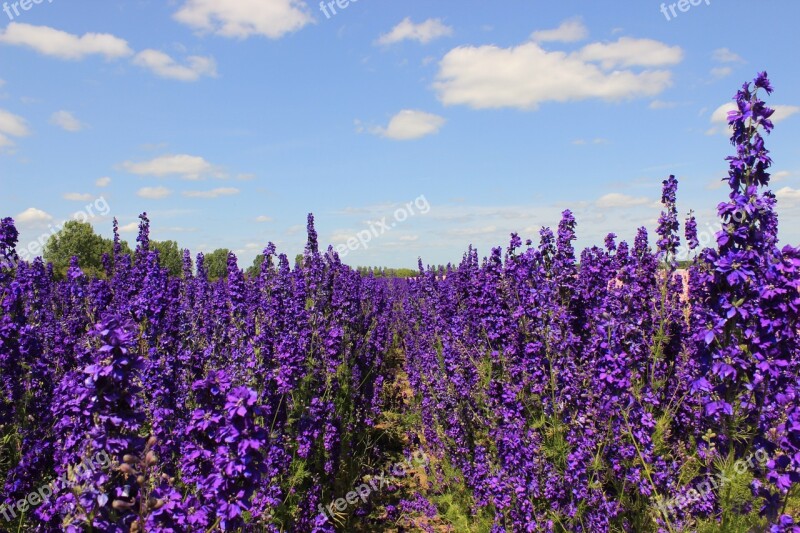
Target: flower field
column 549, row 390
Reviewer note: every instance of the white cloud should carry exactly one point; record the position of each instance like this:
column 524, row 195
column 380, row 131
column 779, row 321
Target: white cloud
column 244, row 18
column 570, row 31
column 66, row 121
column 525, row 76
column 724, row 55
column 56, row 43
column 662, row 104
column 630, row 52
column 164, row 66
column 409, row 238
column 788, row 194
column 105, row 181
column 189, row 167
column 721, row 72
column 423, row 32
column 782, row 112
column 719, row 118
column 214, row 193
column 129, row 228
column 33, row 215
column 410, row 124
column 78, row 197
column 472, row 232
column 615, row 199
column 780, row 175
column 153, row 193
column 14, row 125
column 263, row 218
column 11, row 125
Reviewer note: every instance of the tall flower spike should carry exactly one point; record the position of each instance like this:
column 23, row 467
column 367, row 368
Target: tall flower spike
column 691, row 231
column 144, row 233
column 668, row 225
column 312, row 247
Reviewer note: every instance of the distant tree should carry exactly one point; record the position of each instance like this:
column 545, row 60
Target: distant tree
column 255, row 269
column 170, row 256
column 216, row 264
column 77, row 239
column 381, row 272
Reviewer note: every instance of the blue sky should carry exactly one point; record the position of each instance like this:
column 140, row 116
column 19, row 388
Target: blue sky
column 229, row 121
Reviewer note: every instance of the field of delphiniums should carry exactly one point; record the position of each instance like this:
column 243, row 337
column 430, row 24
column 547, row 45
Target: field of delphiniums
column 547, row 390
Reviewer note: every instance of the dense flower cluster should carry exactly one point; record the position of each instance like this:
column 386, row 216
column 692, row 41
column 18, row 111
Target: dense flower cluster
column 553, row 390
column 222, row 405
column 566, row 395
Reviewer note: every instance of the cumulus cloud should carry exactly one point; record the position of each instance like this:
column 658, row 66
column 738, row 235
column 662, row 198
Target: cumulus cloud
column 788, row 194
column 163, row 65
column 56, row 43
column 214, row 193
column 263, row 218
column 33, row 216
column 153, row 193
column 630, row 52
column 614, row 199
column 188, row 167
column 526, row 76
column 129, row 228
column 410, row 124
column 721, row 72
column 66, row 121
column 424, row 32
column 725, row 55
column 11, row 125
column 105, row 181
column 570, row 31
column 78, row 197
column 244, row 18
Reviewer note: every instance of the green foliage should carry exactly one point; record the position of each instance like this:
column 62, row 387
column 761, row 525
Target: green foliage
column 77, row 239
column 734, row 495
column 216, row 264
column 381, row 272
column 170, row 256
column 255, row 269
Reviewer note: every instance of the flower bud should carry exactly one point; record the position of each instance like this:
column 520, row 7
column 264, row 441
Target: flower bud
column 121, row 505
column 150, row 459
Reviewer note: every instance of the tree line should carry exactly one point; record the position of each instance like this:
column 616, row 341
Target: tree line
column 78, row 239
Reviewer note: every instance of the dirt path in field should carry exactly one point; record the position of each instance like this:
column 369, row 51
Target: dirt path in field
column 401, row 438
